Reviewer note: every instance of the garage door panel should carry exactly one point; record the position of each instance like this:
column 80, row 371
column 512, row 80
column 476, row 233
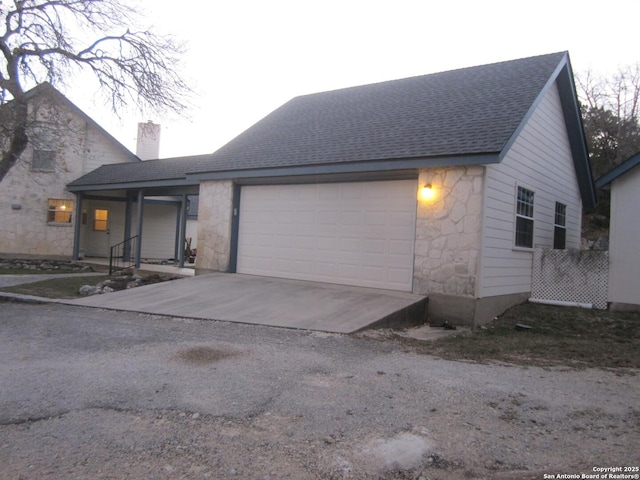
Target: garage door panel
column 399, row 276
column 350, row 218
column 402, row 219
column 400, row 247
column 375, row 246
column 351, row 233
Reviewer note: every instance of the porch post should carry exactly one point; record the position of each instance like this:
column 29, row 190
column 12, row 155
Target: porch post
column 176, row 243
column 183, row 229
column 139, row 242
column 77, row 224
column 128, row 217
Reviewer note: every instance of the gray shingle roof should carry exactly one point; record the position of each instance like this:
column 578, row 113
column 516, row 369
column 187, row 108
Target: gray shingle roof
column 146, row 171
column 616, row 172
column 470, row 111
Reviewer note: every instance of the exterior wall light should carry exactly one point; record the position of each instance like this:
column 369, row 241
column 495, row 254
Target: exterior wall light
column 426, row 192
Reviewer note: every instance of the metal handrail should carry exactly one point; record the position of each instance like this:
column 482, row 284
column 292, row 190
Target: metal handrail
column 122, row 256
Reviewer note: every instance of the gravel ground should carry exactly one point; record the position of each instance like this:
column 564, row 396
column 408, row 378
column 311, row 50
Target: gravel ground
column 93, row 394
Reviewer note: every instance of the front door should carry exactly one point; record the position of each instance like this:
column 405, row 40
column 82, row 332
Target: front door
column 100, row 234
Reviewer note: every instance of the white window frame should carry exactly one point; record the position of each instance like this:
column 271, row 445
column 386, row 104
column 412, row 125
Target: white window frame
column 560, row 226
column 60, row 208
column 524, row 212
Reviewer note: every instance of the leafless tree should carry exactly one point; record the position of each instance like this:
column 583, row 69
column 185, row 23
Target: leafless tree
column 611, row 115
column 53, row 40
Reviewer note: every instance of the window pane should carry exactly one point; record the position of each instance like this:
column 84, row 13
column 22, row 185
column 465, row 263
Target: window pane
column 43, row 161
column 60, row 211
column 559, row 238
column 525, row 202
column 100, row 219
column 524, row 218
column 561, row 214
column 524, row 232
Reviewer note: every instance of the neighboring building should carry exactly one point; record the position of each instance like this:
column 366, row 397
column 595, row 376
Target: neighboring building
column 624, row 234
column 440, row 185
column 38, row 213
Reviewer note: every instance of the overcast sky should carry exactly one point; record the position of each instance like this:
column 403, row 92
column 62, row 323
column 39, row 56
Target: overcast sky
column 247, row 57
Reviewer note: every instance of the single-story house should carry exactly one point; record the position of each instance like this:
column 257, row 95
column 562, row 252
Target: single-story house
column 440, row 185
column 38, row 213
column 624, row 234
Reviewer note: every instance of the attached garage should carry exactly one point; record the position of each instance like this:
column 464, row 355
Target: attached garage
column 358, row 233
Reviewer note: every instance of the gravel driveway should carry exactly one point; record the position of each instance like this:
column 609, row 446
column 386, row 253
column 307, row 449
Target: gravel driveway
column 93, row 394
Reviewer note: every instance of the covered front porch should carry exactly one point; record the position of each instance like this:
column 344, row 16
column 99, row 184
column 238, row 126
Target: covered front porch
column 139, row 223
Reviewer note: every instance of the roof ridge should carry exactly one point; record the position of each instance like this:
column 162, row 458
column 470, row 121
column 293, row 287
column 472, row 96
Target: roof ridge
column 442, row 72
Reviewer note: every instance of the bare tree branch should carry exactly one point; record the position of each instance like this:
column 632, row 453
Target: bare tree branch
column 45, row 41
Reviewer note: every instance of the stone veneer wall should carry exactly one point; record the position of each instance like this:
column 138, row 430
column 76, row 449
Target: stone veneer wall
column 448, row 232
column 79, row 147
column 25, row 194
column 214, row 226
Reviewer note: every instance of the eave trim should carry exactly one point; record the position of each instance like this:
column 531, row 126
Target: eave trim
column 346, row 168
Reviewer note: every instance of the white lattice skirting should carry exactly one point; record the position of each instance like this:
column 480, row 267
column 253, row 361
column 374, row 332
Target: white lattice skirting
column 574, row 276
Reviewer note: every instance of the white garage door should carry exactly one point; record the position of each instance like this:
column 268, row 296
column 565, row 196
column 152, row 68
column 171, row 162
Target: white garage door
column 348, row 233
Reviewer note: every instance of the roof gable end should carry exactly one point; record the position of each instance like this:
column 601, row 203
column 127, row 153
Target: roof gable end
column 615, row 173
column 46, row 88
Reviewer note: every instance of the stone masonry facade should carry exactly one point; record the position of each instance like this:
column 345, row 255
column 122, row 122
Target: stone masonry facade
column 73, row 146
column 25, row 191
column 214, row 225
column 448, row 232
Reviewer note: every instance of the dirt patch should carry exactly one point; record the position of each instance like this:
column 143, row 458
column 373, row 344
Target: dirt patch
column 557, row 337
column 201, row 356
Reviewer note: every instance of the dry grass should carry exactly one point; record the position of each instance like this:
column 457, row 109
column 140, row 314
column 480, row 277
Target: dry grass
column 68, row 287
column 559, row 336
column 63, row 288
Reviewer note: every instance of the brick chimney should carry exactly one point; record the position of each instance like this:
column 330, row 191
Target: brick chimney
column 148, row 145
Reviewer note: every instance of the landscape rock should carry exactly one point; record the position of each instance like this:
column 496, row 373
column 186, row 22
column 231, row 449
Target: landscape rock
column 88, row 290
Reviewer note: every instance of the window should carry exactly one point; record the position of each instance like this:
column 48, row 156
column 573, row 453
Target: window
column 43, row 161
column 60, row 211
column 100, row 219
column 524, row 218
column 560, row 227
column 43, row 139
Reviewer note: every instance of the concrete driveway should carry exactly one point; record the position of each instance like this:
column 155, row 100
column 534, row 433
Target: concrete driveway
column 269, row 301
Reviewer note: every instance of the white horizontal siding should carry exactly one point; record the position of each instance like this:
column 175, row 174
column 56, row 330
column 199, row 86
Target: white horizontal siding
column 540, row 160
column 158, row 230
column 624, row 254
column 100, row 150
